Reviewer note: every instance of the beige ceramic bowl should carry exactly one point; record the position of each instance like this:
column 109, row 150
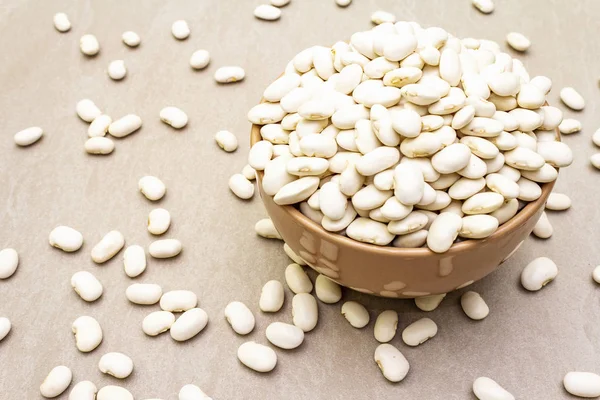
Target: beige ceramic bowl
column 396, row 272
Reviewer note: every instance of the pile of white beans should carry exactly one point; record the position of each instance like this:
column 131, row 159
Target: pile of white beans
column 407, row 135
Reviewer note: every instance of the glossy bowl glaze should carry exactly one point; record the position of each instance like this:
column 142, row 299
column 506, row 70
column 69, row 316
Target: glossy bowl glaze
column 396, row 272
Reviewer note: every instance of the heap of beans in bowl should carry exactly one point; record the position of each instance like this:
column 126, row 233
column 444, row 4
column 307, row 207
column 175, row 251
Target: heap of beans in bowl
column 407, row 136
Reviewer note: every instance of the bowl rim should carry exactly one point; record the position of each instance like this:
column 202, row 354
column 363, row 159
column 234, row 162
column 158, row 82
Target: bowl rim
column 467, row 245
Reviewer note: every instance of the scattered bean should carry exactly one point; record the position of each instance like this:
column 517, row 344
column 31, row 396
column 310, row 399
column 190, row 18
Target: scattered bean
column 256, row 356
column 178, row 300
column 9, row 261
column 61, row 22
column 180, row 29
column 391, row 362
column 271, row 296
column 474, row 306
column 65, row 238
column 189, row 324
column 143, row 293
column 131, row 39
column 158, row 322
column 239, row 317
column 28, row 136
column 134, row 261
column 57, row 381
column 284, row 336
column 174, row 117
column 86, row 286
column 117, row 70
column 88, row 333
column 108, row 247
column 538, row 273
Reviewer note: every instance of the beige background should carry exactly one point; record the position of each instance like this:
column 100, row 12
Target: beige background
column 529, row 341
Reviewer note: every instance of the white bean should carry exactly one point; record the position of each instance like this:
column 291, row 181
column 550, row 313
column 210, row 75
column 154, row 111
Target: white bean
column 86, row 286
column 134, row 261
column 88, row 333
column 558, row 202
column 478, row 226
column 419, row 332
column 116, row 364
column 582, row 384
column 538, row 273
column 131, row 39
column 543, row 229
column 178, row 300
column 143, row 293
column 542, row 82
column 569, row 125
column 391, row 362
column 518, row 41
column 157, row 322
column 189, row 324
column 327, row 290
column 152, row 187
column 266, row 229
column 65, row 238
column 57, row 381
column 5, row 327
column 305, row 313
column 108, row 247
column 429, row 303
column 285, row 336
column 596, row 137
column 28, row 136
column 408, row 184
column 9, row 261
column 174, row 117
column 356, row 314
column 474, row 306
column 241, row 186
column 249, row 172
column 230, row 74
column 377, row 160
column 572, row 99
column 595, row 160
column 61, row 22
column 267, row 12
column 84, row 390
column 256, row 356
column 112, row 392
column 89, row 45
column 297, row 279
column 159, row 221
column 87, row 110
column 117, row 70
column 200, row 59
column 239, row 317
column 271, row 296
column 503, row 185
column 343, row 3
column 180, row 29
column 99, row 126
column 385, row 326
column 192, row 392
column 125, row 126
column 487, row 389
